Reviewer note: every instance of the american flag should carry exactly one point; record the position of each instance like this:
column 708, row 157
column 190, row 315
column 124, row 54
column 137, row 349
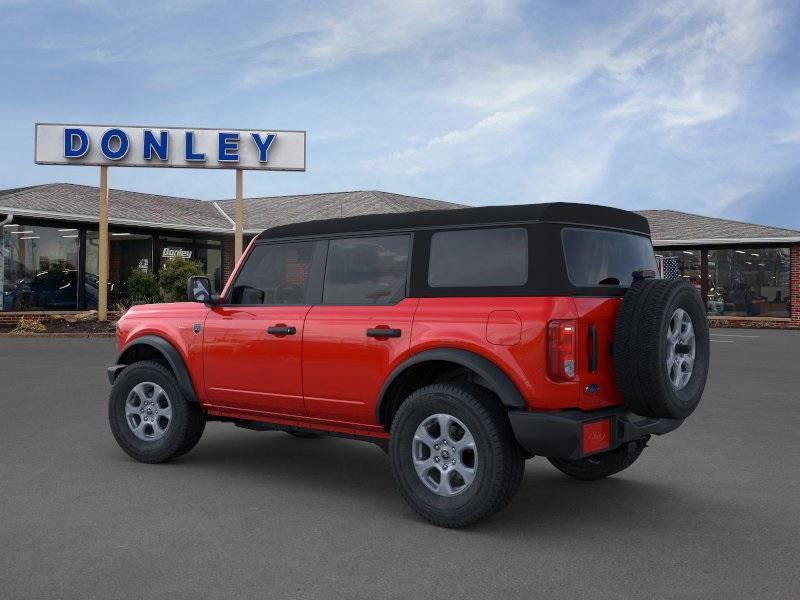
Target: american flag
column 668, row 267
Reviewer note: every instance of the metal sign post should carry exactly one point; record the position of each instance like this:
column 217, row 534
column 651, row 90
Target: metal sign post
column 103, row 253
column 176, row 147
column 238, row 236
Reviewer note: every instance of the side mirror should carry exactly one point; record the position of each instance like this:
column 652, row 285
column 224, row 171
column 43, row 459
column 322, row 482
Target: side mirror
column 198, row 289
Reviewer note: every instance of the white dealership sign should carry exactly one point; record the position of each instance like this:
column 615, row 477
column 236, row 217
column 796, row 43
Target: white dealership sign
column 191, row 148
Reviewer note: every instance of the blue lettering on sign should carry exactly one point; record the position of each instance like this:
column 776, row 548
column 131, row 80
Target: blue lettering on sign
column 190, row 153
column 159, row 146
column 71, row 136
column 228, row 142
column 122, row 148
column 263, row 145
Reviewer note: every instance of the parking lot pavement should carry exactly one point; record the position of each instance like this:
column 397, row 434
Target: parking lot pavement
column 710, row 511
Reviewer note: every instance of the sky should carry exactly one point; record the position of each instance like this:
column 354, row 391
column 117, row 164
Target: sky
column 691, row 106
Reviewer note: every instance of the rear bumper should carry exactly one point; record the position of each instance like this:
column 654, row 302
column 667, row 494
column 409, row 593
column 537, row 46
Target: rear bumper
column 560, row 434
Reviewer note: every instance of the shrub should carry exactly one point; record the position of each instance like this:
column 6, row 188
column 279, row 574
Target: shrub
column 173, row 277
column 26, row 325
column 142, row 286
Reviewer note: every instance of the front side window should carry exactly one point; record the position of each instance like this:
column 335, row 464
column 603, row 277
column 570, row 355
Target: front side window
column 597, row 258
column 274, row 274
column 479, row 258
column 369, row 270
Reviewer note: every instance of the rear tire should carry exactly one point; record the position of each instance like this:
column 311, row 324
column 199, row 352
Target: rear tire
column 149, row 416
column 601, row 465
column 478, row 456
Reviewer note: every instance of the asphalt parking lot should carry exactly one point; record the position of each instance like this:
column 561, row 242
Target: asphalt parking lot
column 710, row 511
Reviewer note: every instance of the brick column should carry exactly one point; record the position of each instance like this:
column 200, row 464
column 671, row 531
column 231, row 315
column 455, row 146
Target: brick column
column 794, row 283
column 227, row 258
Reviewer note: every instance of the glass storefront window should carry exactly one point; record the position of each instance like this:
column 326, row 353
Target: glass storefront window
column 209, row 255
column 127, row 252
column 681, row 263
column 748, row 282
column 39, row 268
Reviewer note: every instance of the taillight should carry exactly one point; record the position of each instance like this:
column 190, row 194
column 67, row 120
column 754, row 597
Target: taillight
column 561, row 350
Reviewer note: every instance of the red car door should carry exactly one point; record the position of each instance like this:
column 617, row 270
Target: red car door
column 360, row 331
column 253, row 339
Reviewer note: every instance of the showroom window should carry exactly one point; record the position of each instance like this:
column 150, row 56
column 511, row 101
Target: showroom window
column 39, row 267
column 681, row 263
column 128, row 252
column 748, row 282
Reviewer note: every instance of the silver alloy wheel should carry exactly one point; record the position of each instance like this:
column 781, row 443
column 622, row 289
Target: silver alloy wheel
column 148, row 411
column 680, row 348
column 444, row 454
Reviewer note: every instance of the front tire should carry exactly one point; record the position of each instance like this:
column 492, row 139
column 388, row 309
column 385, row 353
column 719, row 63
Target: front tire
column 454, row 457
column 149, row 416
column 601, row 465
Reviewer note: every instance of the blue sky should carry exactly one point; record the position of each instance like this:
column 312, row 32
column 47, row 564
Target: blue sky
column 687, row 105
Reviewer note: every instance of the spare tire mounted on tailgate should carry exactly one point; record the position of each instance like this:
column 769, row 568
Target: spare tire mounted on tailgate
column 661, row 348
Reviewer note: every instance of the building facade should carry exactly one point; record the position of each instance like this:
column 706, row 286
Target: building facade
column 749, row 275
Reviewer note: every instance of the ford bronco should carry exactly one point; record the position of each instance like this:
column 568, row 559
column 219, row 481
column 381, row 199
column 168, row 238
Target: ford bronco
column 461, row 341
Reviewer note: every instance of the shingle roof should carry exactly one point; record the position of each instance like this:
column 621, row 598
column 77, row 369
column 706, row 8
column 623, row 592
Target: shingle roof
column 79, row 202
column 68, row 201
column 264, row 213
column 670, row 227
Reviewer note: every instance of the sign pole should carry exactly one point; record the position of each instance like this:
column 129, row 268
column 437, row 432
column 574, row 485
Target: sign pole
column 239, row 232
column 102, row 258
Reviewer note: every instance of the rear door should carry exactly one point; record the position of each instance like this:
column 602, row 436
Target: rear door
column 253, row 341
column 362, row 328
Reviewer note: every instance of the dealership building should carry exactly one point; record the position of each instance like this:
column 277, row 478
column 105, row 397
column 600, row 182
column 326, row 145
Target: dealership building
column 748, row 275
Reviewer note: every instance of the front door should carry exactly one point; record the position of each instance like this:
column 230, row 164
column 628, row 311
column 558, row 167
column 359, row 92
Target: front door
column 253, row 339
column 360, row 330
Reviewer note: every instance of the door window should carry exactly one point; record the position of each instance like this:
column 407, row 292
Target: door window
column 275, row 274
column 369, row 270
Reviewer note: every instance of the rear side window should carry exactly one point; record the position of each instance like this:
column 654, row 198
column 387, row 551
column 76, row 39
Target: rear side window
column 369, row 270
column 596, row 258
column 274, row 274
column 479, row 258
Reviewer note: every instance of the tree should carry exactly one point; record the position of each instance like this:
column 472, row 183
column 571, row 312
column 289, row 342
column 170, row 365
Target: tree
column 173, row 277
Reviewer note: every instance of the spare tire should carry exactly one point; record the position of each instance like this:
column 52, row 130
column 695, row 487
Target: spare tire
column 661, row 348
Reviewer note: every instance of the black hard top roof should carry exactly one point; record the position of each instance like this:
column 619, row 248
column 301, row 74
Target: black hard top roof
column 555, row 212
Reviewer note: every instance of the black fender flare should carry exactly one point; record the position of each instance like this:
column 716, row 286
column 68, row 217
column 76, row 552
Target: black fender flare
column 170, row 354
column 494, row 376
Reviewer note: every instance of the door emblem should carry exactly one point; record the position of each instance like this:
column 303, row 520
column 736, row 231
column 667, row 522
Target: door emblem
column 196, row 328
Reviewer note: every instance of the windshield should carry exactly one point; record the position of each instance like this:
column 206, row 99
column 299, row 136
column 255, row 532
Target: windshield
column 597, row 258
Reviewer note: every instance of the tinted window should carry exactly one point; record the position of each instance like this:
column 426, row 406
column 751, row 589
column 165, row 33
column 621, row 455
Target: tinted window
column 366, row 270
column 274, row 274
column 597, row 258
column 479, row 258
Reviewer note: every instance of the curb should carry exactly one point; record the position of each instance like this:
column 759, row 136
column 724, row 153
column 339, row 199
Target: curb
column 56, row 335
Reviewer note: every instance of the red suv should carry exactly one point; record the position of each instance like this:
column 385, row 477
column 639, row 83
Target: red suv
column 461, row 341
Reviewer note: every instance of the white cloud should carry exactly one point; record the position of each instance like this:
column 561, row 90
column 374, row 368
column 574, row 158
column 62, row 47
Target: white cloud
column 465, row 146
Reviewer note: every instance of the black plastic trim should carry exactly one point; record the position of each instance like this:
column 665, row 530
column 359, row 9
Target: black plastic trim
column 498, row 381
column 558, row 434
column 170, row 354
column 375, row 332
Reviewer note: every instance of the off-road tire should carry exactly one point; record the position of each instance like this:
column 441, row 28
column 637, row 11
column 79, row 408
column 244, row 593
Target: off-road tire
column 500, row 467
column 640, row 348
column 186, row 426
column 601, row 465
